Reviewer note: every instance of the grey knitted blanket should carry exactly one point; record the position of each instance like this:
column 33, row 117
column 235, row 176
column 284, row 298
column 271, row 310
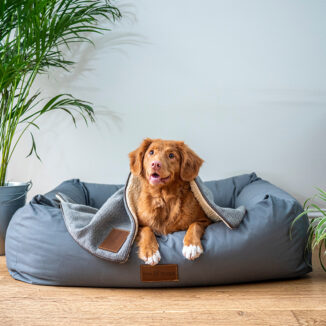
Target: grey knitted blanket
column 110, row 231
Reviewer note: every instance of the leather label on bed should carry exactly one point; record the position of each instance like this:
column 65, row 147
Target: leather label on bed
column 114, row 241
column 159, row 273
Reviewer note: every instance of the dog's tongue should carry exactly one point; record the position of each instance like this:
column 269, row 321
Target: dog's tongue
column 155, row 179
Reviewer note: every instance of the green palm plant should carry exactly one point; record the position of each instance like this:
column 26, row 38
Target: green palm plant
column 317, row 225
column 33, row 37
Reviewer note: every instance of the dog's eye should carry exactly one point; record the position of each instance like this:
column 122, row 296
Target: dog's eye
column 171, row 155
column 151, row 152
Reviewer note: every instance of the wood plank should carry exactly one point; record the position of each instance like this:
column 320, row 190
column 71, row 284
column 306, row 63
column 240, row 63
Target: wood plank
column 292, row 302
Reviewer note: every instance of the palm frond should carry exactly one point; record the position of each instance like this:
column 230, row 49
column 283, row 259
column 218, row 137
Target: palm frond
column 33, row 149
column 33, row 37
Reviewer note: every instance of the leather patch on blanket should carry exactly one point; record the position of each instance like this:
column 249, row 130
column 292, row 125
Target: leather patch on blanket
column 159, row 273
column 114, row 241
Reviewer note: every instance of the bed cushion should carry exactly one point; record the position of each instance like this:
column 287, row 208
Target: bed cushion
column 39, row 249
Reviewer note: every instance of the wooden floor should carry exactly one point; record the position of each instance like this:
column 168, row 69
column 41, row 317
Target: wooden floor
column 296, row 302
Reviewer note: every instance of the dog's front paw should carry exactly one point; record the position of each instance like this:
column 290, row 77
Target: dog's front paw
column 191, row 251
column 149, row 256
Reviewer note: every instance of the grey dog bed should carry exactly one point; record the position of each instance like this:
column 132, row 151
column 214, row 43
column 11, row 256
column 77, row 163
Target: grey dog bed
column 40, row 250
column 110, row 231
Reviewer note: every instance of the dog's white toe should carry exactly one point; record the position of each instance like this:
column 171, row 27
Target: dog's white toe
column 153, row 260
column 192, row 252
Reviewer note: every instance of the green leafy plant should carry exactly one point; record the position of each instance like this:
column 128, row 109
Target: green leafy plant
column 34, row 35
column 317, row 225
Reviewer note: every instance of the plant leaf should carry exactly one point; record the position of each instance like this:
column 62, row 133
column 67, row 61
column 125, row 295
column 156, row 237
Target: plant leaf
column 33, row 148
column 320, row 256
column 304, row 213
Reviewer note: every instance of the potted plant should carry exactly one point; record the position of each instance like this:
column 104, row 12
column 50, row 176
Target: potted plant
column 34, row 35
column 317, row 225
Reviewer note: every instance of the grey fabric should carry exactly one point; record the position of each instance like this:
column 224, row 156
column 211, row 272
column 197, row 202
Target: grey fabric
column 102, row 191
column 232, row 217
column 89, row 226
column 40, row 250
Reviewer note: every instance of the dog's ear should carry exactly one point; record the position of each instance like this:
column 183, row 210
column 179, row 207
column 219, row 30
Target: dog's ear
column 190, row 163
column 136, row 157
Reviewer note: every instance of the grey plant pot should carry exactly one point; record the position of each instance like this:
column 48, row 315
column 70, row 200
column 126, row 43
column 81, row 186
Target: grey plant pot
column 12, row 197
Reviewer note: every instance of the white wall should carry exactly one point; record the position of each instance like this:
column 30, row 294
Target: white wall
column 242, row 82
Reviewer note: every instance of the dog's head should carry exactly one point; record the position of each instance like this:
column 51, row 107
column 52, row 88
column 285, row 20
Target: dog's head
column 161, row 162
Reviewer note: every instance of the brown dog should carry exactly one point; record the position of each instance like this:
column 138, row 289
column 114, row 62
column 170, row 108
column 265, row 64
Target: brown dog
column 166, row 203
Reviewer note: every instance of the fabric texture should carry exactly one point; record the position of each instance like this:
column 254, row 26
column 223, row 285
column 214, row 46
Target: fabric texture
column 40, row 250
column 90, row 226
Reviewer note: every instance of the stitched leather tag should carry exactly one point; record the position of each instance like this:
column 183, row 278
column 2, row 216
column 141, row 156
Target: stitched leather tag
column 159, row 273
column 114, row 240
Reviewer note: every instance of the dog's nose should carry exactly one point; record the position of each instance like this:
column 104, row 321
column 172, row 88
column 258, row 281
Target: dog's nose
column 156, row 165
